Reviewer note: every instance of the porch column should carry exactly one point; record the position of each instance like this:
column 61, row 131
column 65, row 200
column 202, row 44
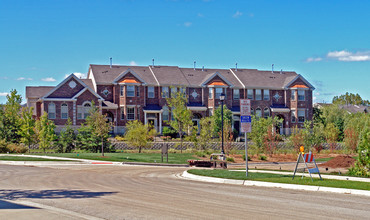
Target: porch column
column 160, row 122
column 74, row 112
column 145, row 118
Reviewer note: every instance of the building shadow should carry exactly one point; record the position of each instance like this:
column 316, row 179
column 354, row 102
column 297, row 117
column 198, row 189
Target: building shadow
column 10, row 205
column 51, row 194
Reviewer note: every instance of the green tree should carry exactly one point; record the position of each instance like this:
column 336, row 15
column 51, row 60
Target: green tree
column 333, row 114
column 362, row 165
column 27, row 127
column 349, row 99
column 67, row 138
column 99, row 124
column 296, row 138
column 205, row 134
column 228, row 116
column 45, row 132
column 181, row 114
column 317, row 137
column 331, row 135
column 137, row 134
column 9, row 118
column 260, row 128
column 86, row 140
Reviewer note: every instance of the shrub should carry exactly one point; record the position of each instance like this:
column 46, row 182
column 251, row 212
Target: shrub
column 168, row 131
column 200, row 154
column 262, row 157
column 3, row 146
column 16, row 148
column 119, row 138
column 249, row 158
column 230, row 159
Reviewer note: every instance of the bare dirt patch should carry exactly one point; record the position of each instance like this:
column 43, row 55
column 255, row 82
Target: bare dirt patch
column 339, row 162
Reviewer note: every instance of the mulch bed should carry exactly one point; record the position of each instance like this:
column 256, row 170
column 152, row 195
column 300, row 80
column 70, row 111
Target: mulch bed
column 339, row 162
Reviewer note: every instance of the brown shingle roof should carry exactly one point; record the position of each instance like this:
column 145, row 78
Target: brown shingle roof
column 103, row 74
column 37, row 91
column 88, row 82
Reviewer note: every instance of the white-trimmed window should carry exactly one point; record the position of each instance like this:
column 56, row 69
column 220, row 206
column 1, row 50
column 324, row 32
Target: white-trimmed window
column 122, row 114
column 210, row 96
column 137, row 91
column 51, row 111
column 301, row 115
column 64, row 111
column 183, row 90
column 258, row 113
column 130, row 113
column 250, row 94
column 173, row 92
column 130, row 91
column 87, row 107
column 258, row 94
column 292, row 97
column 210, row 112
column 150, row 92
column 301, row 95
column 293, row 114
column 218, row 93
column 83, row 110
column 236, row 94
column 266, row 94
column 121, row 90
column 266, row 112
column 165, row 113
column 172, row 115
column 252, row 111
column 165, row 92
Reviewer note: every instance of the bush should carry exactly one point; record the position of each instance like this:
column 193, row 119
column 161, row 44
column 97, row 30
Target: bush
column 16, row 148
column 230, row 159
column 3, row 146
column 168, row 131
column 119, row 138
column 249, row 157
column 200, row 154
column 261, row 157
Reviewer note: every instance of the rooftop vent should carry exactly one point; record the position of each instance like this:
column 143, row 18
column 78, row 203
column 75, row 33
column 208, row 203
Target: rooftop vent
column 281, row 71
column 195, row 62
column 152, row 63
column 203, row 68
column 272, row 67
column 236, row 66
column 110, row 59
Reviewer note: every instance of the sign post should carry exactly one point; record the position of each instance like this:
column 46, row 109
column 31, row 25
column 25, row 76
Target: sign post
column 246, row 125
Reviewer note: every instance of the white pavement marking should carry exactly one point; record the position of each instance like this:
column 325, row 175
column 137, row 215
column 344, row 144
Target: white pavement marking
column 187, row 175
column 334, row 177
column 54, row 209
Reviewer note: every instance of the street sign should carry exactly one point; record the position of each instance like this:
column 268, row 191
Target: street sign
column 245, row 118
column 245, row 107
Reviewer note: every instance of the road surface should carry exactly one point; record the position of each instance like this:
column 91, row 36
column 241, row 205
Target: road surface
column 140, row 192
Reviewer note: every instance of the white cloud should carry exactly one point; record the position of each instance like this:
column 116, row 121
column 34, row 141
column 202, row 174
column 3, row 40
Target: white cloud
column 3, row 93
column 22, row 78
column 200, row 15
column 347, row 56
column 79, row 75
column 313, row 59
column 237, row 14
column 187, row 24
column 133, row 63
column 4, row 77
column 314, row 99
column 48, row 79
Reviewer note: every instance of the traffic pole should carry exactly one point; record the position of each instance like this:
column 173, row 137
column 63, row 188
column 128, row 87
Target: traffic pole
column 246, row 154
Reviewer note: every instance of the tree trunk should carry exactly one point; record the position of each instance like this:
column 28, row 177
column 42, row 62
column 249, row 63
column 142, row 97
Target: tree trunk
column 102, row 147
column 139, row 149
column 29, row 147
column 180, row 143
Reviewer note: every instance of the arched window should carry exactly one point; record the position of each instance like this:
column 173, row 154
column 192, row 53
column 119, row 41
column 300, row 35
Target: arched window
column 64, row 111
column 252, row 111
column 258, row 112
column 87, row 107
column 165, row 113
column 266, row 112
column 51, row 111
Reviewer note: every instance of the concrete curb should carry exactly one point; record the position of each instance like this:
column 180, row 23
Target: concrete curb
column 187, row 175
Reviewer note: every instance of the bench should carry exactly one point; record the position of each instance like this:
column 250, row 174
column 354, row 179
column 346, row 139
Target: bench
column 208, row 163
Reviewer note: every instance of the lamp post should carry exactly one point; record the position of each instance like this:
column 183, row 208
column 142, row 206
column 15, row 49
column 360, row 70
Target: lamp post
column 222, row 98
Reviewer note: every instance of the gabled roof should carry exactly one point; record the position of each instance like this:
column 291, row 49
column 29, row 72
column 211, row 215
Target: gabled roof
column 169, row 75
column 210, row 78
column 123, row 74
column 37, row 91
column 103, row 74
column 299, row 86
column 86, row 87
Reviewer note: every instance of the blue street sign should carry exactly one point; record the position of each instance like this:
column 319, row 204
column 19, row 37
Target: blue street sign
column 245, row 119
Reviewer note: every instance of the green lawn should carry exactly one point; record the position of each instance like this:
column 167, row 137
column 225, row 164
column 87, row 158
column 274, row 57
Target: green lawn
column 177, row 158
column 276, row 178
column 15, row 158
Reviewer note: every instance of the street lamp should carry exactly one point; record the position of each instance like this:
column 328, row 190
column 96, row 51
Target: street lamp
column 222, row 98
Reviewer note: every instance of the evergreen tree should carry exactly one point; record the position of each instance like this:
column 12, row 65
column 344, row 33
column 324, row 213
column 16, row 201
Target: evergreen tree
column 67, row 138
column 27, row 127
column 45, row 132
column 9, row 118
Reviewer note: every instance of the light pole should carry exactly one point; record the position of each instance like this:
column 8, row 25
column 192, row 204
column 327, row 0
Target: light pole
column 222, row 98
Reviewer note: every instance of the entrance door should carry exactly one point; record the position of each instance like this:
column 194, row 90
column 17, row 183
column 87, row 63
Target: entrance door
column 153, row 123
column 280, row 127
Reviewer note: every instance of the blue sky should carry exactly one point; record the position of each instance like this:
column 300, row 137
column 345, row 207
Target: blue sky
column 325, row 41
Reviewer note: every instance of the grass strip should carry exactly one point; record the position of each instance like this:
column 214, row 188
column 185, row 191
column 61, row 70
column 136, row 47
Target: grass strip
column 177, row 158
column 278, row 178
column 15, row 158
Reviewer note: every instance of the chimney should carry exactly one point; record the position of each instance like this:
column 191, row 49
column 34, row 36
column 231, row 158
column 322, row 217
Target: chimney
column 272, row 68
column 236, row 66
column 152, row 63
column 202, row 68
column 194, row 64
column 110, row 59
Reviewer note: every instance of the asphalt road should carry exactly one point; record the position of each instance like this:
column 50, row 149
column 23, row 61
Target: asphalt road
column 138, row 192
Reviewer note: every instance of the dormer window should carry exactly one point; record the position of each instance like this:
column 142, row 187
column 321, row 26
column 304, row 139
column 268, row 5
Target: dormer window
column 150, row 92
column 218, row 93
column 210, row 96
column 301, row 95
column 236, row 94
column 130, row 91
